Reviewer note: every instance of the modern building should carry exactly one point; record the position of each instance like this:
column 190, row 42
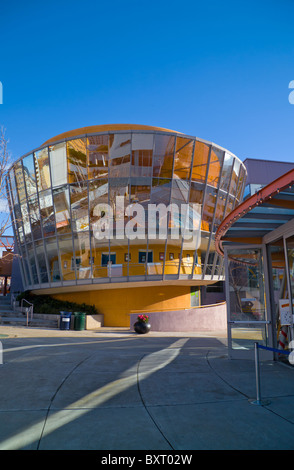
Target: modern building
column 261, row 172
column 123, row 217
column 257, row 242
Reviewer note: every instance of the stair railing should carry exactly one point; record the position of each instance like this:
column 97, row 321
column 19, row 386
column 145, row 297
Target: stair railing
column 29, row 311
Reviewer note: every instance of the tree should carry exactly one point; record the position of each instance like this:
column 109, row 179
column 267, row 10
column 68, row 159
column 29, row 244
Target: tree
column 5, row 221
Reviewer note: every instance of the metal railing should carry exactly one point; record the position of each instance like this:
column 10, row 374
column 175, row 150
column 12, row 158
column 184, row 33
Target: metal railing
column 29, row 311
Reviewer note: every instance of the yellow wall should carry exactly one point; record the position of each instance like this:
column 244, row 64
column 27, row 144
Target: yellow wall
column 117, row 304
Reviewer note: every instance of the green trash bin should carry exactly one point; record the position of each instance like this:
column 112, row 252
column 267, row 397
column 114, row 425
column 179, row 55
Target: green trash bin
column 79, row 321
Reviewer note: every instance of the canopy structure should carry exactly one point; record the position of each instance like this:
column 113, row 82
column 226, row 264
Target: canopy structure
column 260, row 214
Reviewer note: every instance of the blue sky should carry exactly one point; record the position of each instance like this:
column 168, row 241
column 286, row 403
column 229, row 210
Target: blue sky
column 218, row 70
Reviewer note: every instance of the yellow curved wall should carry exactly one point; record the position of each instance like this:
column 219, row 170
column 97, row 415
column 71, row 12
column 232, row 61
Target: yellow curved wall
column 117, row 304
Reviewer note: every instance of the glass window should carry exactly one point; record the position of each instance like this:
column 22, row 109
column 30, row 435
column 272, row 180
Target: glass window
column 79, row 206
column 35, row 216
column 77, row 160
column 220, row 207
column 58, row 164
column 32, row 261
column 215, row 164
column 26, row 221
column 82, row 255
column 98, row 247
column 196, row 193
column 13, row 186
column 47, row 213
column 20, row 181
column 41, row 261
column 142, row 151
column 62, row 210
column 119, row 155
column 208, row 210
column 52, row 257
column 65, row 245
column 29, row 174
column 42, row 169
column 226, row 172
column 98, row 195
column 172, row 256
column 163, row 156
column 201, row 154
column 161, row 191
column 26, row 267
column 241, row 182
column 97, row 156
column 235, row 177
column 183, row 158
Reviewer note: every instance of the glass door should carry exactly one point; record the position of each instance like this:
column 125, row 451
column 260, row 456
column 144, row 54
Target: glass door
column 248, row 320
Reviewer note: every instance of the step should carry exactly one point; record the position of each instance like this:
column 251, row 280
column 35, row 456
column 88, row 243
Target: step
column 22, row 321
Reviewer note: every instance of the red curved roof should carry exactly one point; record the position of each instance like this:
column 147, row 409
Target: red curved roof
column 276, row 198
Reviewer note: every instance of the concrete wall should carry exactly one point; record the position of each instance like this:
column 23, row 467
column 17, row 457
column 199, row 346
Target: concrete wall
column 206, row 318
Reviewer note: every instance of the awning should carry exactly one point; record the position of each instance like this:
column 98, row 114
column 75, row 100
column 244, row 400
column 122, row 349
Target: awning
column 260, row 214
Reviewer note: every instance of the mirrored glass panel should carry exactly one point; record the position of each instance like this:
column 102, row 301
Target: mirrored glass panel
column 26, row 266
column 164, row 146
column 97, row 156
column 43, row 177
column 215, row 165
column 67, row 259
column 35, row 216
column 82, row 255
column 235, row 177
column 220, row 208
column 13, row 186
column 29, row 175
column 53, row 260
column 241, row 182
column 79, row 206
column 226, row 172
column 142, row 152
column 77, row 160
column 119, row 155
column 209, row 207
column 62, row 209
column 161, row 191
column 58, row 164
column 47, row 213
column 200, row 162
column 40, row 256
column 32, row 261
column 26, row 221
column 19, row 179
column 100, row 257
column 183, row 158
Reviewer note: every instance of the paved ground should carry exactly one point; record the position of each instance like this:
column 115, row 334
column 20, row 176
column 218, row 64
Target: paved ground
column 115, row 390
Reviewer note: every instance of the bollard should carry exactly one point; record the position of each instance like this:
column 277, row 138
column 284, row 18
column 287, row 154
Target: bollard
column 258, row 400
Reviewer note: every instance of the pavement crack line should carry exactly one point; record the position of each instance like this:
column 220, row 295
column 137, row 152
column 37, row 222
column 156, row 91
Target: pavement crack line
column 54, row 395
column 145, row 406
column 223, row 380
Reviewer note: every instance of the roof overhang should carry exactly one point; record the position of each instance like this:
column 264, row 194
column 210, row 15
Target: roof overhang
column 259, row 215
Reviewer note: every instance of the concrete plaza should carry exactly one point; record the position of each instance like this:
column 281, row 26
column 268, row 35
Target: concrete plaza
column 115, row 390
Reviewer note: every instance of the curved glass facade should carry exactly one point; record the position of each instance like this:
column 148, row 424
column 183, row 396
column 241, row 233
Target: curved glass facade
column 66, row 194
